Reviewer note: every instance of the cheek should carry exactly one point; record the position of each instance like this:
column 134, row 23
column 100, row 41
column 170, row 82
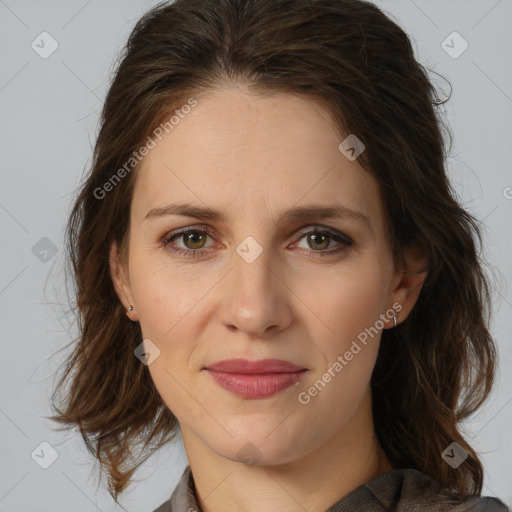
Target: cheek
column 347, row 300
column 163, row 305
column 336, row 388
column 350, row 309
column 168, row 303
column 164, row 296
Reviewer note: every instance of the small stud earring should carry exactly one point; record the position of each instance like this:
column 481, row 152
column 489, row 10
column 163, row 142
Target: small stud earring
column 394, row 318
column 130, row 309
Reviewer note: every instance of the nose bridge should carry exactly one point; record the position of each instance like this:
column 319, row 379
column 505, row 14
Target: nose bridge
column 252, row 264
column 255, row 300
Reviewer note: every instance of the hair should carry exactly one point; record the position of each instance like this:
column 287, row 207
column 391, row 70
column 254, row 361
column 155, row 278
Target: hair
column 435, row 368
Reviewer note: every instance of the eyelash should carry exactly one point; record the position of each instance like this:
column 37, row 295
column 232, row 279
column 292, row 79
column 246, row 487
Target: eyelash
column 344, row 240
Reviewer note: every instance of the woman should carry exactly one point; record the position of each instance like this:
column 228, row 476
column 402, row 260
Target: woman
column 269, row 256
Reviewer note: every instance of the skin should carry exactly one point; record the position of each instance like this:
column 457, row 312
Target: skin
column 253, row 158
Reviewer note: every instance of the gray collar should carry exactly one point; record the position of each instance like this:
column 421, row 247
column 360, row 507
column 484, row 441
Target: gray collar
column 399, row 490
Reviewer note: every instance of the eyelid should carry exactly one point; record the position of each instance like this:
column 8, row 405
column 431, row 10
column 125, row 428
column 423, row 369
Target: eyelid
column 212, row 232
column 323, row 229
column 197, row 227
column 181, row 231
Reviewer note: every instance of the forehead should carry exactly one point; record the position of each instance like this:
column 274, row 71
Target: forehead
column 253, row 155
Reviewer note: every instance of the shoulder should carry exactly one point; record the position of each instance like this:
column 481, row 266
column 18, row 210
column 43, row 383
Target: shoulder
column 418, row 492
column 409, row 490
column 483, row 503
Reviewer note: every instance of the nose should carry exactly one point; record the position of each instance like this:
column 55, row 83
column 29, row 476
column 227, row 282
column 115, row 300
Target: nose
column 254, row 298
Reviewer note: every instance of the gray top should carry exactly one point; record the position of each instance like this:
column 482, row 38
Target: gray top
column 399, row 490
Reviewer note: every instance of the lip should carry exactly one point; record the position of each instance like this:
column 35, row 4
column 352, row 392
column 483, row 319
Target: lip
column 254, row 367
column 255, row 379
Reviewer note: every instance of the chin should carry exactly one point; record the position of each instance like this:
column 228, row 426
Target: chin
column 256, row 448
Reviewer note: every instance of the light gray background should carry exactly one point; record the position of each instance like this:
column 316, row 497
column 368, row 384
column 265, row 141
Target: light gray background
column 49, row 112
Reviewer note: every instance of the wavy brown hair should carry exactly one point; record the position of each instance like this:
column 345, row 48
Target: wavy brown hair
column 433, row 370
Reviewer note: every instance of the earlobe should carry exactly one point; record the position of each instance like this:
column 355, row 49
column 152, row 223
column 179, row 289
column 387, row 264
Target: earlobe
column 121, row 283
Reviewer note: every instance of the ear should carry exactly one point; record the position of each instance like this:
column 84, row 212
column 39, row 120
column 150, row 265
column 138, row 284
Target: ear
column 408, row 281
column 121, row 282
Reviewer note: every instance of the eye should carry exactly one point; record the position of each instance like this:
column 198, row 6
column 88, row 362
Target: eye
column 317, row 239
column 194, row 240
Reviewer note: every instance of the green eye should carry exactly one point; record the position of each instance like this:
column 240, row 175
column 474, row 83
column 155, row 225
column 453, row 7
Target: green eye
column 194, row 239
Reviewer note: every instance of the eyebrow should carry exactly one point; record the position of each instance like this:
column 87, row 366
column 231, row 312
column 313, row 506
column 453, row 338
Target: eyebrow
column 296, row 214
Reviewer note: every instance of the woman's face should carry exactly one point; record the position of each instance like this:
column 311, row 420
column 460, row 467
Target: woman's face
column 258, row 284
